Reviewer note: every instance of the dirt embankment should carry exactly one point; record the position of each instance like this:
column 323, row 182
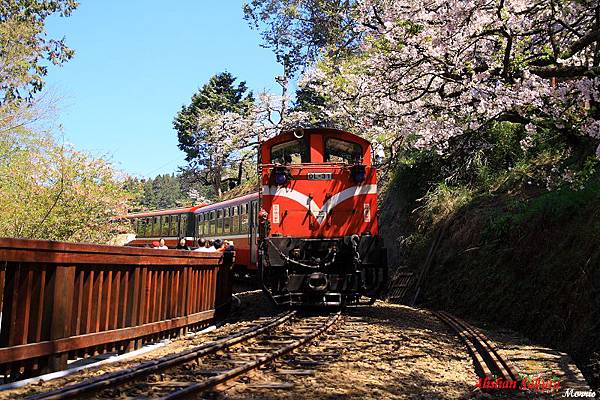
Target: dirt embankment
column 529, row 263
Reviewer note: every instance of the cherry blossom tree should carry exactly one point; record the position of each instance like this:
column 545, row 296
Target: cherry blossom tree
column 430, row 70
column 234, row 137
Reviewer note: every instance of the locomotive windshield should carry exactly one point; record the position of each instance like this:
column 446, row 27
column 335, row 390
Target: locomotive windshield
column 292, row 152
column 337, row 150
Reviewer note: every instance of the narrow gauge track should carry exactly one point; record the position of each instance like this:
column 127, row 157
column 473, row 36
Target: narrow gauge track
column 230, row 359
column 487, row 360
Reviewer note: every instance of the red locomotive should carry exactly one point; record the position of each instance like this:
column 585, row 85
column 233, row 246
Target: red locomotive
column 310, row 231
column 318, row 241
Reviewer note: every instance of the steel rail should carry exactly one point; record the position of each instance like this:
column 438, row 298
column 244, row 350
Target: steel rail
column 129, row 374
column 488, row 361
column 232, row 373
column 481, row 368
column 506, row 370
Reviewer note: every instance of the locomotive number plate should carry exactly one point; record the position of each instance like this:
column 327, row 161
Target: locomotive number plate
column 320, row 176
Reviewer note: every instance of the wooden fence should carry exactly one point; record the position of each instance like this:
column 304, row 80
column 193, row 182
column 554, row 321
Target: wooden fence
column 62, row 301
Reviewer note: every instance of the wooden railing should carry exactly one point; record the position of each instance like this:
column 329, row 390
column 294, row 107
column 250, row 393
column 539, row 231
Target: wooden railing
column 62, row 301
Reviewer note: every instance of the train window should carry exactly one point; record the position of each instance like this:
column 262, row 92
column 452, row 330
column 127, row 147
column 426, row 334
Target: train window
column 337, row 150
column 212, row 223
column 226, row 220
column 200, row 225
column 219, row 222
column 174, row 225
column 244, row 218
column 183, row 226
column 235, row 219
column 164, row 225
column 292, row 152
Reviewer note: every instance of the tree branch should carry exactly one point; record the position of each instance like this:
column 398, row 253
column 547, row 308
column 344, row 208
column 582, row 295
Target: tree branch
column 587, row 40
column 566, row 71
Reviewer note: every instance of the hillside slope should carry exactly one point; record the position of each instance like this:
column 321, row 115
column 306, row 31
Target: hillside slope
column 529, row 261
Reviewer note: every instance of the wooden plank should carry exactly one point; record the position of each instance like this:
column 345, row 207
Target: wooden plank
column 159, row 295
column 168, row 291
column 21, row 325
column 141, row 305
column 193, row 291
column 23, row 352
column 152, row 296
column 216, row 278
column 78, row 301
column 124, row 295
column 61, row 285
column 86, row 311
column 97, row 300
column 202, row 287
column 178, row 299
column 133, row 301
column 49, row 246
column 37, row 305
column 9, row 306
column 113, row 319
column 2, row 278
column 185, row 279
column 32, row 256
column 106, row 300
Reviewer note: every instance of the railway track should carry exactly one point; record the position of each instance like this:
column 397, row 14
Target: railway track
column 488, row 362
column 192, row 371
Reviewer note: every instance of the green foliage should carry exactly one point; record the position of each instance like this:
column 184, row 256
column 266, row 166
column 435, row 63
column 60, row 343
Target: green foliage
column 442, row 202
column 213, row 132
column 503, row 160
column 24, row 47
column 299, row 31
column 562, row 203
column 50, row 191
column 219, row 95
column 309, row 101
column 165, row 191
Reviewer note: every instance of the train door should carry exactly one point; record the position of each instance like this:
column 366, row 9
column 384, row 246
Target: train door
column 253, row 212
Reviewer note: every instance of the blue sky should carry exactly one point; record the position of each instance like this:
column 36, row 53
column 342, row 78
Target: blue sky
column 137, row 62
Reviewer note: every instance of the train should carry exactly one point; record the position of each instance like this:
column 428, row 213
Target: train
column 310, row 231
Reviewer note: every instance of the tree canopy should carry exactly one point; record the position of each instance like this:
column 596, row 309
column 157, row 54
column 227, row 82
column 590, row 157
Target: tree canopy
column 299, row 31
column 25, row 49
column 214, row 127
column 51, row 191
column 165, row 191
column 421, row 73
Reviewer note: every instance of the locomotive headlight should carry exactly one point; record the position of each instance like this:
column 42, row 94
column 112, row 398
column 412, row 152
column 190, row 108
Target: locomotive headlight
column 358, row 173
column 280, row 175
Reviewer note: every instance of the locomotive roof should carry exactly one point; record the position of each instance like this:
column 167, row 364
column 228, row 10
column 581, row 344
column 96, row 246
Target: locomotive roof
column 285, row 135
